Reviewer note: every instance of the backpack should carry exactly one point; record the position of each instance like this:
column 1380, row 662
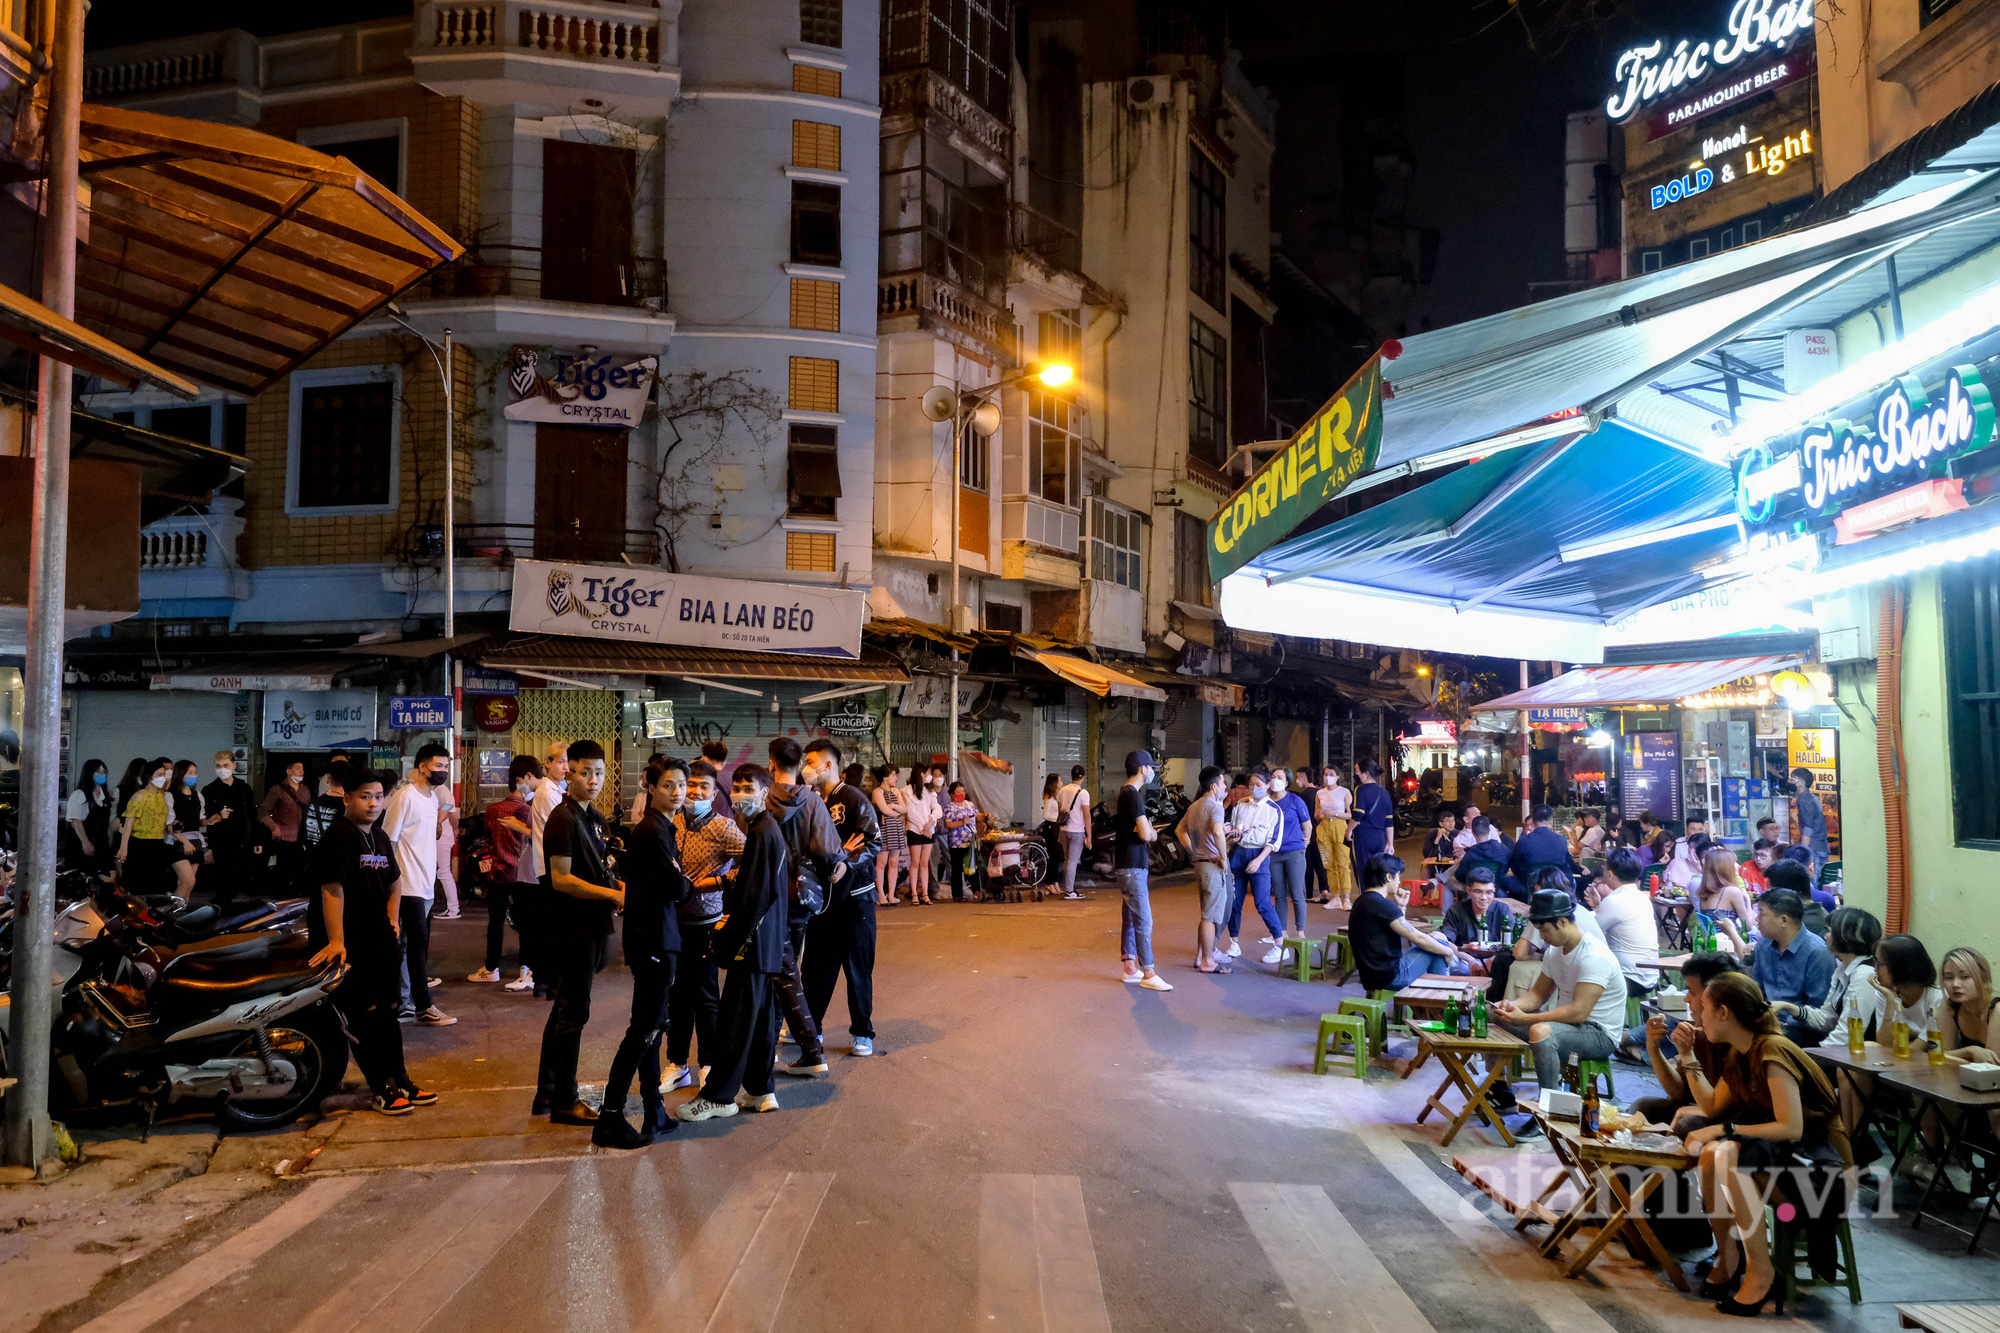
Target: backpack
column 808, row 888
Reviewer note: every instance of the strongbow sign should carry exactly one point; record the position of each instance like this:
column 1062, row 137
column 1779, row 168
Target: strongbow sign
column 653, row 606
column 584, row 391
column 1645, row 74
column 1318, row 463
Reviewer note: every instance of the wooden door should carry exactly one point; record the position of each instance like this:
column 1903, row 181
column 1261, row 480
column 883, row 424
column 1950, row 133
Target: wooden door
column 588, row 193
column 579, row 493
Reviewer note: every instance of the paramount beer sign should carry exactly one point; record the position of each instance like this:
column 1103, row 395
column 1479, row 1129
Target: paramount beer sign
column 1339, row 444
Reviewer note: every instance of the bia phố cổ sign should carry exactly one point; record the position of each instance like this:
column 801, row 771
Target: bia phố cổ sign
column 655, row 606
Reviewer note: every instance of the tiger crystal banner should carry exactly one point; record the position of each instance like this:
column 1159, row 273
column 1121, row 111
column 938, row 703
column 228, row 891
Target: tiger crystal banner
column 1341, row 442
column 633, row 602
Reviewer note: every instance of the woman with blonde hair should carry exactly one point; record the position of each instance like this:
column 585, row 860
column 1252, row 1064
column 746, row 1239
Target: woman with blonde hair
column 1722, row 896
column 1772, row 1109
column 1967, row 980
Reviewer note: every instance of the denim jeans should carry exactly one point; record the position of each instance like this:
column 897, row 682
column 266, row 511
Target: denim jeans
column 1255, row 883
column 1072, row 845
column 1136, row 917
column 1417, row 963
column 1585, row 1041
column 1288, row 885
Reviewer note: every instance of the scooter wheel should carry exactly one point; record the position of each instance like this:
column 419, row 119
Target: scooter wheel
column 316, row 1044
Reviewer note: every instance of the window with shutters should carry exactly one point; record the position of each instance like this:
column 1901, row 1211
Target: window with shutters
column 815, row 80
column 819, row 22
column 1059, row 337
column 816, row 305
column 815, row 224
column 812, row 472
column 1191, row 583
column 815, row 145
column 1207, row 227
column 1208, row 394
column 809, row 551
column 815, row 384
column 343, row 440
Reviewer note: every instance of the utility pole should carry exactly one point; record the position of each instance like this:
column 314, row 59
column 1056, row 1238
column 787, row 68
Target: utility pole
column 1527, row 741
column 951, row 615
column 33, row 998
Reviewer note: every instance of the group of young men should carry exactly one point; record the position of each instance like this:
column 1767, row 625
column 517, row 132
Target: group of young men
column 722, row 896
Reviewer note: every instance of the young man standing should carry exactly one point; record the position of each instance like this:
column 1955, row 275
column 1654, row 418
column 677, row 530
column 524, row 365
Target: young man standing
column 654, row 891
column 709, row 843
column 752, row 939
column 576, row 924
column 1576, row 1007
column 841, row 940
column 352, row 918
column 411, row 821
column 513, row 858
column 1131, row 860
column 1073, row 823
column 1203, row 831
column 231, row 818
column 1812, row 818
column 532, row 904
column 812, row 847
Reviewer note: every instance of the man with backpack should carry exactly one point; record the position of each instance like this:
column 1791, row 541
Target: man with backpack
column 1073, row 823
column 841, row 939
column 811, row 845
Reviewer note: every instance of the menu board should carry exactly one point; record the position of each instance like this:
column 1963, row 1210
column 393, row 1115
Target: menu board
column 1649, row 775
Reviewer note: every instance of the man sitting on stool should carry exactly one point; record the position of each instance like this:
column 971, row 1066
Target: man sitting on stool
column 1582, row 978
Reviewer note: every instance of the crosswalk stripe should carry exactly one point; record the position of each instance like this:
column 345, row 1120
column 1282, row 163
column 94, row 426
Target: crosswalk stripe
column 226, row 1260
column 421, row 1270
column 734, row 1276
column 1335, row 1280
column 1037, row 1265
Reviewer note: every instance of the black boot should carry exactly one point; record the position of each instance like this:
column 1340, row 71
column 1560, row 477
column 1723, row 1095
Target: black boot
column 541, row 1106
column 613, row 1130
column 655, row 1121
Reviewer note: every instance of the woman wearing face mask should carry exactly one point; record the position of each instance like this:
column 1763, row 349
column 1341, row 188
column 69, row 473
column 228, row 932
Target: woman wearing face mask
column 129, row 784
column 88, row 819
column 895, row 853
column 184, row 789
column 921, row 813
column 147, row 853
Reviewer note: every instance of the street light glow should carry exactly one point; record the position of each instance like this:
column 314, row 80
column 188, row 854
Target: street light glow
column 1055, row 374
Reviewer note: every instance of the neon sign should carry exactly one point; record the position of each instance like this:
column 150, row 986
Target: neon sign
column 1647, row 73
column 1761, row 157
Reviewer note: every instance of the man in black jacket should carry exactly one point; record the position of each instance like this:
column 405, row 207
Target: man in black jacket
column 841, row 940
column 654, row 890
column 812, row 846
column 751, row 945
column 1539, row 847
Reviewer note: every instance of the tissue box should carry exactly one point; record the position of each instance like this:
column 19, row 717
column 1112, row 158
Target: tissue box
column 1672, row 1001
column 1979, row 1078
column 1563, row 1105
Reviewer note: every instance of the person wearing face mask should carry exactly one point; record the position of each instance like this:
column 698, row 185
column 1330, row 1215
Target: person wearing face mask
column 1288, row 863
column 840, row 942
column 411, row 823
column 282, row 816
column 530, row 904
column 328, row 808
column 147, row 852
column 709, row 842
column 507, row 829
column 87, row 819
column 232, row 817
column 583, row 895
column 895, row 853
column 184, row 791
column 1253, row 835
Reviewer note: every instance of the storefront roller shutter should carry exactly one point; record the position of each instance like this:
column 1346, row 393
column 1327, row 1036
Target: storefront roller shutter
column 549, row 716
column 1065, row 733
column 118, row 726
column 1128, row 726
column 1183, row 710
column 747, row 724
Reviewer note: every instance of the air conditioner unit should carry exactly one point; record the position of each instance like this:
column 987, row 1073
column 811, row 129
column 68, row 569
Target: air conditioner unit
column 1148, row 92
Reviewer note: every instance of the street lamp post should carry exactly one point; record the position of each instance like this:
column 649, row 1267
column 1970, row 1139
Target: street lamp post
column 441, row 357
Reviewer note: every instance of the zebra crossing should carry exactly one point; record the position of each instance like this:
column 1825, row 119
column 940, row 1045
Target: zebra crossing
column 606, row 1244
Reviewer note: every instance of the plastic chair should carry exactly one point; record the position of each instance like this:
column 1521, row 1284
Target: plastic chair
column 1590, row 1069
column 1336, row 955
column 1635, row 1014
column 1335, row 1028
column 1652, row 879
column 1300, row 953
column 1376, row 1011
column 1787, row 1254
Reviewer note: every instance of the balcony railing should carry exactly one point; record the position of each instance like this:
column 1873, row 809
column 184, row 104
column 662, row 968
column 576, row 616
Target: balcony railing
column 1042, row 236
column 923, row 91
column 189, row 541
column 565, row 275
column 920, row 294
column 556, row 540
column 20, row 30
column 576, row 29
column 171, row 65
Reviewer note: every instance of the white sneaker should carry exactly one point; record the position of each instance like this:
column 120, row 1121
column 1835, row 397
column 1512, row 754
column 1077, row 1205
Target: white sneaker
column 750, row 1101
column 525, row 981
column 1275, row 954
column 1156, row 982
column 487, row 974
column 434, row 982
column 702, row 1109
column 447, row 916
column 434, row 1017
column 1131, row 976
column 1235, row 948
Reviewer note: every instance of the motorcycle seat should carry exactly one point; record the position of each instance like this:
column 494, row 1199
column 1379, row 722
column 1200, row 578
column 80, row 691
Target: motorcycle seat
column 242, row 912
column 195, row 979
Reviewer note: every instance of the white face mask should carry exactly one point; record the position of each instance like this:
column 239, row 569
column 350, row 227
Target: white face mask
column 160, row 781
column 225, row 773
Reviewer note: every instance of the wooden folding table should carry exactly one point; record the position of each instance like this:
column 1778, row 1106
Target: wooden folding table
column 1453, row 1052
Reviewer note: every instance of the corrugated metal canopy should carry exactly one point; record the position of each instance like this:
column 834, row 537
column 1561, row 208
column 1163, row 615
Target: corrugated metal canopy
column 557, row 654
column 231, row 256
column 1605, row 687
column 1099, row 679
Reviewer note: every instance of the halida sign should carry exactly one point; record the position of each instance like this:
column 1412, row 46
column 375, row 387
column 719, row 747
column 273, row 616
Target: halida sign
column 654, row 606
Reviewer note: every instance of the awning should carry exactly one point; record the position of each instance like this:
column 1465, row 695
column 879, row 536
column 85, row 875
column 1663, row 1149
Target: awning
column 229, row 677
column 173, row 473
column 1605, row 687
column 1196, row 612
column 32, row 325
column 905, row 627
column 559, row 655
column 419, row 647
column 230, row 255
column 1098, row 679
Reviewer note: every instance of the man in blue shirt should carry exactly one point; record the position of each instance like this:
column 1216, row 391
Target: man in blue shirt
column 1791, row 963
column 1540, row 844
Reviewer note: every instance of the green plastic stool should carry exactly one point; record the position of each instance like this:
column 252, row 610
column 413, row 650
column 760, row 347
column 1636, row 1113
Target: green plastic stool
column 1635, row 1016
column 1300, row 953
column 1335, row 1028
column 1590, row 1069
column 1376, row 1012
column 1336, row 955
column 1393, row 1018
column 1787, row 1254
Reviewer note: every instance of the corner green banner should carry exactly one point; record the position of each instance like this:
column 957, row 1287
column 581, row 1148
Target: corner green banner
column 1341, row 442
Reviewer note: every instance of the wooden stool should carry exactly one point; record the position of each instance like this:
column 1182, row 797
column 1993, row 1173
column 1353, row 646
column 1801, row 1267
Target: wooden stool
column 1335, row 1028
column 1300, row 952
column 1787, row 1244
column 1376, row 1011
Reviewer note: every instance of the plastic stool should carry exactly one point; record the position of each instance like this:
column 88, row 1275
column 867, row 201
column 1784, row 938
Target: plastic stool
column 1336, row 956
column 1635, row 1015
column 1377, row 1014
column 1787, row 1244
column 1300, row 952
column 1392, row 1013
column 1590, row 1069
column 1336, row 1028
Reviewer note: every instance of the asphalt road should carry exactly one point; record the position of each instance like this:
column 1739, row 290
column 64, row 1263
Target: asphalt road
column 1036, row 1147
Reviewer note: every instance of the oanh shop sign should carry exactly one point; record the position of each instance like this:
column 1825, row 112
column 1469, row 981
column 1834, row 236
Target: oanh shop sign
column 1645, row 74
column 1341, row 442
column 1911, row 433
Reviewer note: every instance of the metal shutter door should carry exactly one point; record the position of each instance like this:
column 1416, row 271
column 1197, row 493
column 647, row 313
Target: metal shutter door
column 120, row 725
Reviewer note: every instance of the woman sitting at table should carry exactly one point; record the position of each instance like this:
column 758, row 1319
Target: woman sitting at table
column 1852, row 935
column 1772, row 1108
column 1720, row 894
column 1966, row 979
column 1901, row 986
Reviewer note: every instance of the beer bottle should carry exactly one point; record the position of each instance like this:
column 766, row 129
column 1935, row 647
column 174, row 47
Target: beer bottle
column 1479, row 1015
column 1588, row 1117
column 1465, row 1019
column 1451, row 1016
column 1934, row 1034
column 1902, row 1031
column 1857, row 1038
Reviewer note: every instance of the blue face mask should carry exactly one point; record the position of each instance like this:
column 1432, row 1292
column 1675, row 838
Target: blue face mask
column 100, row 778
column 188, row 781
column 700, row 807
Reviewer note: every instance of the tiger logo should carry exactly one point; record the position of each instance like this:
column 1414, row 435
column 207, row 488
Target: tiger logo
column 561, row 603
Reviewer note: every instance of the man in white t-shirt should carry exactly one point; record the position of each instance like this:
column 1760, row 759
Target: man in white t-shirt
column 1073, row 824
column 529, row 902
column 1630, row 927
column 1576, row 1007
column 1465, row 837
column 410, row 822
